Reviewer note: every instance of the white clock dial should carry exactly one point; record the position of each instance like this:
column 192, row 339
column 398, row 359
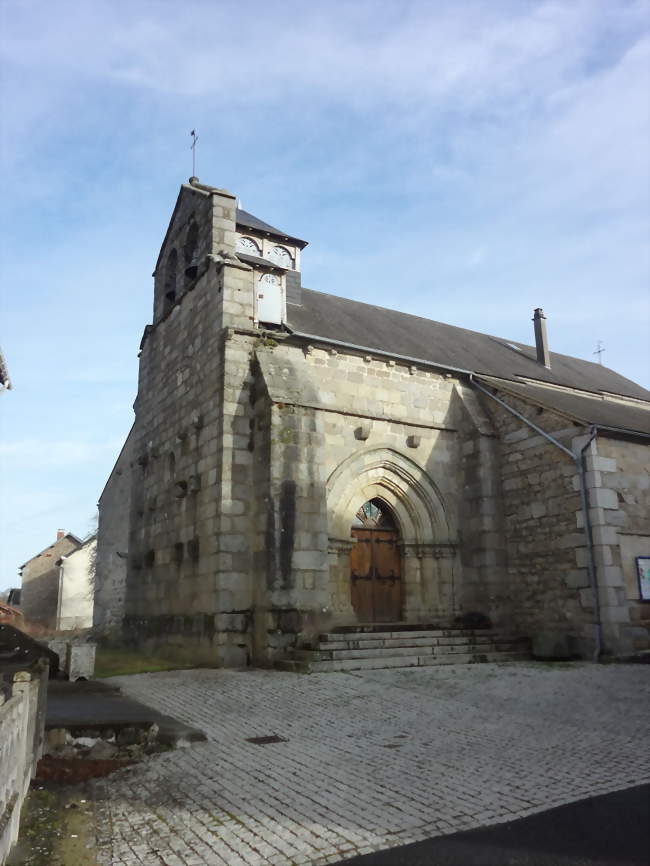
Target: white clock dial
column 280, row 256
column 248, row 245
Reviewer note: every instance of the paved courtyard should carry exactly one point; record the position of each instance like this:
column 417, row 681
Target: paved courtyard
column 367, row 761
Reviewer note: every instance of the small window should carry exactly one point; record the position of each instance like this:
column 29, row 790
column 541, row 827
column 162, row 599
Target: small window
column 374, row 514
column 193, row 549
column 191, row 243
column 171, row 269
column 149, row 558
column 179, row 552
column 190, row 249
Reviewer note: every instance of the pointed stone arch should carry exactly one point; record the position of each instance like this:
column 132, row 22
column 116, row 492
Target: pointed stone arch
column 427, row 530
column 405, row 487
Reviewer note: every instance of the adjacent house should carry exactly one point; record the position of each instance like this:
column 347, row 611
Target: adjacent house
column 57, row 584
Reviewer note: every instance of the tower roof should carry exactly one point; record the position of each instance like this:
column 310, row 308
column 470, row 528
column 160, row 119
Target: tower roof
column 248, row 221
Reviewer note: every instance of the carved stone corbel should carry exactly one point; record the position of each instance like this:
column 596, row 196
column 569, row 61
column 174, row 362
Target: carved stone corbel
column 224, row 258
column 340, row 545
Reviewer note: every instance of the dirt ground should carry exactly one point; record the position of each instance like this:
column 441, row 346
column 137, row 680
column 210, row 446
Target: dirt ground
column 57, row 827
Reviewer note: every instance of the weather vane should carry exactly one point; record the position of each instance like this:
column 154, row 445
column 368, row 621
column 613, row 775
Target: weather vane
column 599, row 351
column 195, row 138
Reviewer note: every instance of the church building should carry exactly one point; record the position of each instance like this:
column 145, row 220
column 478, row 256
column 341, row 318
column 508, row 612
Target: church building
column 303, row 465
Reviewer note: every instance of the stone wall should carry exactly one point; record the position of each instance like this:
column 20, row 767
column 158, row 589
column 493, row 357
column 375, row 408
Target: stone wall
column 546, row 546
column 333, row 430
column 187, row 414
column 621, row 472
column 292, row 440
column 40, row 584
column 547, row 556
column 187, row 243
column 113, row 542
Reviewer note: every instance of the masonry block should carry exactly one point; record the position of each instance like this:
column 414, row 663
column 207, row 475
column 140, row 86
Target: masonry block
column 600, row 464
column 602, row 497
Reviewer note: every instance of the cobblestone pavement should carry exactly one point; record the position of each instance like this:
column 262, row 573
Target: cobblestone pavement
column 367, row 761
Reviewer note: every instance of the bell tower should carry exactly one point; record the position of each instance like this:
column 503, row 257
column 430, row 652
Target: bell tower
column 221, row 275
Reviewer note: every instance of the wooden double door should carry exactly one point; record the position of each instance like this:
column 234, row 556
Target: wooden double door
column 376, row 580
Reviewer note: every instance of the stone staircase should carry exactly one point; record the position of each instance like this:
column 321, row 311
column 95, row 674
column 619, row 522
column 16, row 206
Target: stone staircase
column 398, row 645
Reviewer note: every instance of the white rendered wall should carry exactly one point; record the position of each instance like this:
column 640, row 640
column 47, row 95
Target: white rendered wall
column 75, row 589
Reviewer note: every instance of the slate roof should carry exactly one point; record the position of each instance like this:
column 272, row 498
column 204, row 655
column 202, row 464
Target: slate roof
column 258, row 260
column 247, row 220
column 396, row 333
column 589, row 409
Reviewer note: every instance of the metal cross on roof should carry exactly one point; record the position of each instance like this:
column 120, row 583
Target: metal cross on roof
column 195, row 138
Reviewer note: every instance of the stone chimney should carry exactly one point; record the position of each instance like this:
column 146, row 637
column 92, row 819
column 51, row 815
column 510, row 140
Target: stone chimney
column 541, row 339
column 59, row 534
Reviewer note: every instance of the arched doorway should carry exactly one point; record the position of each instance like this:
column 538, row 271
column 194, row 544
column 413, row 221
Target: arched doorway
column 375, row 564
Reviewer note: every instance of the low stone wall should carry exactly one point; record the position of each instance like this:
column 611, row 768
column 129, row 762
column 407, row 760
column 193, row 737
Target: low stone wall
column 23, row 696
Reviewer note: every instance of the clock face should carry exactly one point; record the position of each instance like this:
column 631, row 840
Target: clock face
column 248, row 245
column 280, row 256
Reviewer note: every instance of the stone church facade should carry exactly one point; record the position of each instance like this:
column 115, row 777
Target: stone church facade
column 301, row 462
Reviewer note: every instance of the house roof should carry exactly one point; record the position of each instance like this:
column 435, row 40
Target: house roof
column 393, row 333
column 86, row 541
column 247, row 220
column 69, row 535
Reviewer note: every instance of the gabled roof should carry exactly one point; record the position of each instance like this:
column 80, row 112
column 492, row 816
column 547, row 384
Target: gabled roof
column 86, row 541
column 69, row 535
column 395, row 333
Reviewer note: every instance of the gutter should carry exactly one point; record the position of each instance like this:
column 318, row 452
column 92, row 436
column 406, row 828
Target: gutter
column 579, row 462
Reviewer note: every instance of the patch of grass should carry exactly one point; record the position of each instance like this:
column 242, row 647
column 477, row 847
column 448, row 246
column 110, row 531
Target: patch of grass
column 119, row 661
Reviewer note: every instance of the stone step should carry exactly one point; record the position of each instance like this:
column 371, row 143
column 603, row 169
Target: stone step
column 403, row 634
column 410, row 661
column 397, row 651
column 369, row 627
column 413, row 641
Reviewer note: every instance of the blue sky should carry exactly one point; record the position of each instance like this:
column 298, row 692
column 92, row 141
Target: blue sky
column 465, row 161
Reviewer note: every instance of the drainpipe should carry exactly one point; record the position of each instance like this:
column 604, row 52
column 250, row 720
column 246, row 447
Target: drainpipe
column 579, row 462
